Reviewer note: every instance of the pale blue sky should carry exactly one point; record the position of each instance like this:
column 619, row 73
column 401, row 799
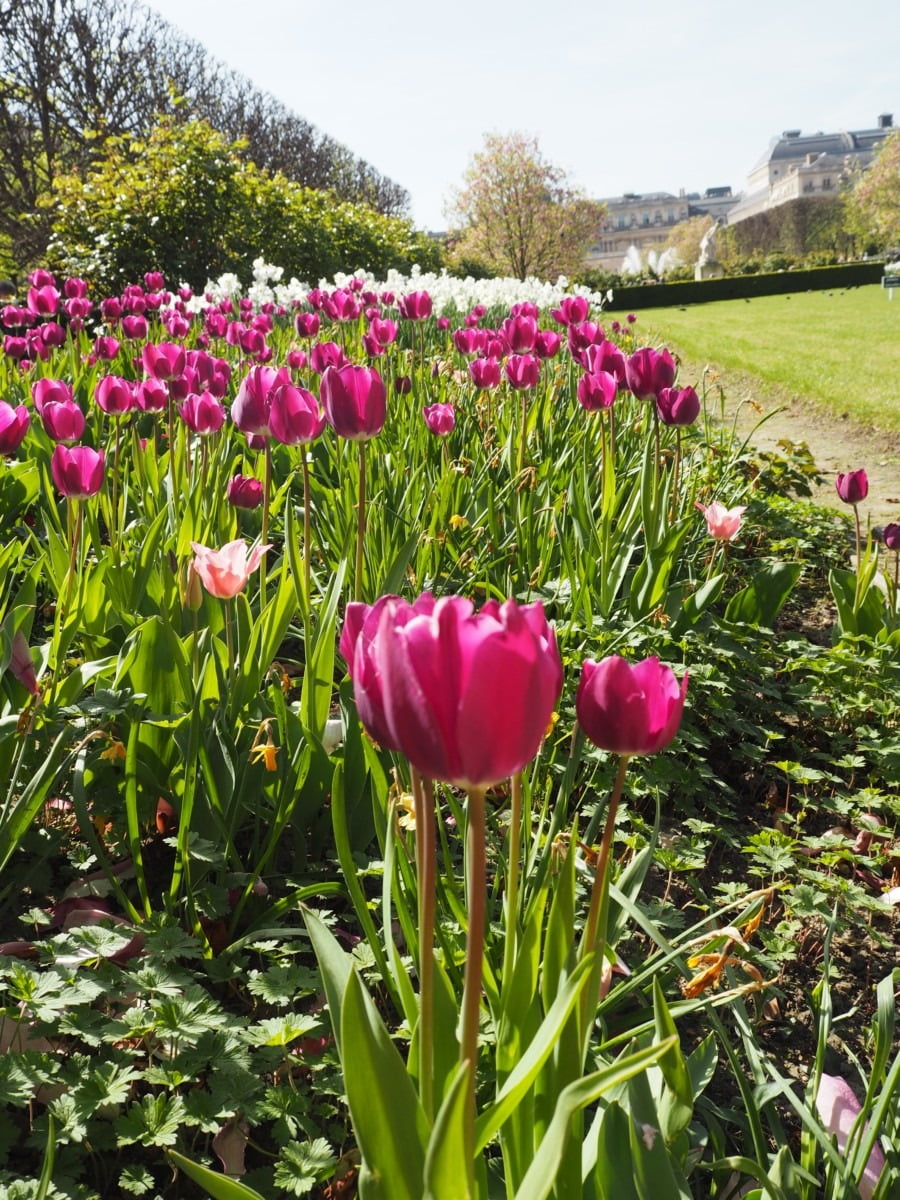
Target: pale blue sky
column 644, row 95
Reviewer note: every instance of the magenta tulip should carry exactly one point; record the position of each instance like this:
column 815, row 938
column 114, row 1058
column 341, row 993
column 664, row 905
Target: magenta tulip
column 354, row 401
column 572, row 310
column 547, row 343
column 327, row 354
column 648, row 371
column 250, row 410
column 46, row 391
column 383, row 331
column 581, row 336
column 115, row 396
column 75, row 289
column 135, row 326
column 853, row 487
column 605, row 356
column 415, row 306
column 629, row 709
column 466, row 696
column 678, row 406
column 163, row 361
column 13, row 427
column 151, row 395
column 520, row 333
column 202, row 413
column 523, row 371
column 440, row 418
column 63, row 421
column 295, row 417
column 469, row 341
column 77, row 471
column 485, row 372
column 597, row 391
column 307, row 324
column 43, row 301
column 891, row 535
column 245, row 492
column 105, row 347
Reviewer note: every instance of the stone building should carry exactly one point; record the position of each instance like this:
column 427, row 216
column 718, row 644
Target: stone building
column 646, row 220
column 798, row 165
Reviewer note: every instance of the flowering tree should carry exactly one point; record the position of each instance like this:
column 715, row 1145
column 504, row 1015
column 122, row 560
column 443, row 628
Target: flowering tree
column 518, row 215
column 876, row 197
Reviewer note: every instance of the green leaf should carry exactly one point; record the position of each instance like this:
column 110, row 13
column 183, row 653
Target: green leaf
column 220, row 1187
column 301, row 1165
column 387, row 1118
column 677, row 1104
column 540, row 1177
column 446, row 1176
column 760, row 602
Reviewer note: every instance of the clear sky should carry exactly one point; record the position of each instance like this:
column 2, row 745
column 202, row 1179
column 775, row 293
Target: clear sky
column 643, row 95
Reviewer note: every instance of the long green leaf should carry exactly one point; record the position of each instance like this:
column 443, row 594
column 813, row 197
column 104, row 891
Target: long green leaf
column 220, row 1187
column 446, row 1177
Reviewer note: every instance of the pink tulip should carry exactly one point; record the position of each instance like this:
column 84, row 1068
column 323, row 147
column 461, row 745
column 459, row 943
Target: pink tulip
column 597, row 391
column 51, row 334
column 202, row 413
column 40, row 278
column 629, row 709
column 21, row 664
column 154, row 281
column 838, row 1109
column 226, row 572
column 75, row 289
column 43, row 301
column 853, row 487
column 605, row 356
column 466, row 696
column 581, row 336
column 341, row 305
column 469, row 341
column 13, row 427
column 678, row 406
column 63, row 421
column 723, row 523
column 440, row 418
column 354, row 401
column 106, row 347
column 523, row 371
column 245, row 492
column 77, row 471
column 383, row 331
column 415, row 306
column 135, row 326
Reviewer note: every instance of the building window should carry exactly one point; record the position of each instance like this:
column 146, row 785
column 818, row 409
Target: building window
column 645, row 218
column 620, row 221
column 671, row 216
column 826, row 184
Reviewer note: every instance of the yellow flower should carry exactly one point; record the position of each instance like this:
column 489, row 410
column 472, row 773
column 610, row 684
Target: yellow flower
column 114, row 752
column 264, row 751
column 458, row 522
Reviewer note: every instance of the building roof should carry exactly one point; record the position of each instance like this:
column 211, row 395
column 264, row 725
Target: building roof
column 793, row 144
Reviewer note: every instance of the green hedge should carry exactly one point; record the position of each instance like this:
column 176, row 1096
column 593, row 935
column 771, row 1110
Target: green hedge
column 745, row 287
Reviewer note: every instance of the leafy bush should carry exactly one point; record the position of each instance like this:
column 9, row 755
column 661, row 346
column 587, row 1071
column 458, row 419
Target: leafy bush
column 184, row 202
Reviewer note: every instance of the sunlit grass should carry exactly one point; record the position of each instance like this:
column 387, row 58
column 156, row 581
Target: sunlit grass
column 839, row 349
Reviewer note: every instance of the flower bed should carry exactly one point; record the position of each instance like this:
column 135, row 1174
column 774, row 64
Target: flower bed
column 331, row 618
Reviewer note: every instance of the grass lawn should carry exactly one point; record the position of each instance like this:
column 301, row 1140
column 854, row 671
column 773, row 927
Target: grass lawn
column 840, row 349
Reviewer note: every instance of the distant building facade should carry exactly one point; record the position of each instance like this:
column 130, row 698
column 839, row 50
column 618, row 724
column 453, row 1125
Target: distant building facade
column 646, row 220
column 799, row 165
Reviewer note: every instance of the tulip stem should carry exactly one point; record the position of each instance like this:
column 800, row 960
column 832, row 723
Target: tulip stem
column 74, row 520
column 856, row 595
column 471, row 1004
column 306, row 522
column 594, row 934
column 673, row 502
column 114, row 527
column 267, row 491
column 229, row 637
column 426, row 858
column 513, row 846
column 360, row 523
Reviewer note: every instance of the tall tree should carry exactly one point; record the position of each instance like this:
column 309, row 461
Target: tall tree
column 518, row 214
column 875, row 200
column 74, row 72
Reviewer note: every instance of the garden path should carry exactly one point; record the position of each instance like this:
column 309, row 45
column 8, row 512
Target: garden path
column 836, row 443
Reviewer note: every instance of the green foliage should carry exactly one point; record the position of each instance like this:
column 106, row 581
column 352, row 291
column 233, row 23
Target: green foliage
column 875, row 200
column 184, row 201
column 798, row 227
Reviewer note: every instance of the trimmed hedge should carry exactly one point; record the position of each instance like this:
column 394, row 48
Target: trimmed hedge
column 745, row 287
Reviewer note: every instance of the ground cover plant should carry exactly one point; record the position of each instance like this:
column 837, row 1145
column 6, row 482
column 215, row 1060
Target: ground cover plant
column 438, row 760
column 798, row 343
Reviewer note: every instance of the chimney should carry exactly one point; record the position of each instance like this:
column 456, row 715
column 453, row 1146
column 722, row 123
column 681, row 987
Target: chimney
column 886, row 121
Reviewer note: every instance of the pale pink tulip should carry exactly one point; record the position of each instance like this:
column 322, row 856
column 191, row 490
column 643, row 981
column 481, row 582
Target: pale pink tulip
column 723, row 523
column 838, row 1109
column 225, row 572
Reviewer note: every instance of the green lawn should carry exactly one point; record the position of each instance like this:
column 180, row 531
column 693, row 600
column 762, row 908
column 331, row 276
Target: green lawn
column 838, row 349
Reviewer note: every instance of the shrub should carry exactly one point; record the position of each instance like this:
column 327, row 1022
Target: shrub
column 184, row 202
